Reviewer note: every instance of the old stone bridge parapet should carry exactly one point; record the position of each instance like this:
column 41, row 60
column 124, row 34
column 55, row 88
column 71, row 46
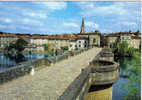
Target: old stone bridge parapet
column 102, row 71
column 28, row 66
column 106, row 54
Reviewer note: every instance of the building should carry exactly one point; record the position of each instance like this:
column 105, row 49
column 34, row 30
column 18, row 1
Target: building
column 6, row 39
column 77, row 42
column 112, row 39
column 93, row 37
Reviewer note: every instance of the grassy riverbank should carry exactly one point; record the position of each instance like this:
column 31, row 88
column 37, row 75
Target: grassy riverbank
column 130, row 64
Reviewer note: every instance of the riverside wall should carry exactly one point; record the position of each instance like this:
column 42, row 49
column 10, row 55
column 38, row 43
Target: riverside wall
column 26, row 67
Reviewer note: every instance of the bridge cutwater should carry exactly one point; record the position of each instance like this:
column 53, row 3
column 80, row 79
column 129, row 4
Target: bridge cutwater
column 79, row 75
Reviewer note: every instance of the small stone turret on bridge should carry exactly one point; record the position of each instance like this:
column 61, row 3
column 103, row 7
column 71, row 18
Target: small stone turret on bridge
column 95, row 81
column 104, row 72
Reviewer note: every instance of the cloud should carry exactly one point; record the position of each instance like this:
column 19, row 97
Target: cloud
column 36, row 14
column 71, row 24
column 86, row 5
column 6, row 20
column 106, row 31
column 92, row 25
column 53, row 5
column 33, row 22
column 129, row 23
column 3, row 26
column 117, row 9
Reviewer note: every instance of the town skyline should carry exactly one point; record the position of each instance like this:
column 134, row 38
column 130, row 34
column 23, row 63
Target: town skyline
column 52, row 18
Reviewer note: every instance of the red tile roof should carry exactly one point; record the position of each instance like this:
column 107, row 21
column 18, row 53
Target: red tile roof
column 135, row 37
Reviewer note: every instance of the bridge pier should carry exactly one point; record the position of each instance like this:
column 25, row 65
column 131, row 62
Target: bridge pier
column 100, row 92
column 104, row 74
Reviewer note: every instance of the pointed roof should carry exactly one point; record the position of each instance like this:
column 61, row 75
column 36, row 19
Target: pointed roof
column 82, row 26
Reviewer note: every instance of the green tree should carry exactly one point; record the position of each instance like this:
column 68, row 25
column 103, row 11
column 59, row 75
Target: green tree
column 64, row 48
column 97, row 31
column 134, row 85
column 20, row 45
column 137, row 32
column 45, row 47
column 121, row 48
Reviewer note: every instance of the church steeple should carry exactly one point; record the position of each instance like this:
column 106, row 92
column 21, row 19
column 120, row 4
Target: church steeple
column 82, row 26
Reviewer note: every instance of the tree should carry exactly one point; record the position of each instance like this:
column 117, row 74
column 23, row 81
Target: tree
column 134, row 85
column 121, row 48
column 137, row 32
column 45, row 47
column 20, row 45
column 97, row 31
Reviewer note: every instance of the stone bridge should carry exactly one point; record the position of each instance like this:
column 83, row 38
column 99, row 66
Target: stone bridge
column 69, row 79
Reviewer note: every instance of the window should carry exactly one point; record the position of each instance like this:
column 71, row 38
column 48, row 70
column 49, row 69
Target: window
column 70, row 45
column 79, row 41
column 79, row 45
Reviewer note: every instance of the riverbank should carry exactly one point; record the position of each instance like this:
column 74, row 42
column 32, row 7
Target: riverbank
column 128, row 88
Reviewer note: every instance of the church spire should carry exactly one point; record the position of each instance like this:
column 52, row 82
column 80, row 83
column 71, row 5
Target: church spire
column 82, row 26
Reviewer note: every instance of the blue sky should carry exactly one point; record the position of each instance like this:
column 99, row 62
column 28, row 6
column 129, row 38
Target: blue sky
column 65, row 17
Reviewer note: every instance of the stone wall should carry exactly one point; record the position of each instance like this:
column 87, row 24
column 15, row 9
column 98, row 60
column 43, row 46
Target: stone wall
column 80, row 87
column 26, row 67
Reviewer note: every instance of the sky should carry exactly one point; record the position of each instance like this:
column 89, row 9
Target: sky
column 66, row 17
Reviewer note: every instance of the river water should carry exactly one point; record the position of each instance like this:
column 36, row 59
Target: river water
column 119, row 88
column 7, row 61
column 118, row 92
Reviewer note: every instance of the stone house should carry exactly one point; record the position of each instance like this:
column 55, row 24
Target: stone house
column 6, row 38
column 78, row 43
column 112, row 39
column 38, row 39
column 93, row 38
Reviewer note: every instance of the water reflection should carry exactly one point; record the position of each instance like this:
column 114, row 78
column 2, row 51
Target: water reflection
column 9, row 60
column 16, row 58
column 120, row 89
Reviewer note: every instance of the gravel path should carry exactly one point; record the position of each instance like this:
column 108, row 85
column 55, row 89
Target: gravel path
column 48, row 83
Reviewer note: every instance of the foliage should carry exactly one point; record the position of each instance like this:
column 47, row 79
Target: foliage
column 45, row 47
column 20, row 45
column 130, row 51
column 133, row 66
column 17, row 46
column 122, row 49
column 137, row 32
column 97, row 31
column 64, row 48
column 51, row 52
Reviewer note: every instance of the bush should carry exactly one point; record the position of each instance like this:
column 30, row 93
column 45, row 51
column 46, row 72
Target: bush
column 64, row 48
column 123, row 50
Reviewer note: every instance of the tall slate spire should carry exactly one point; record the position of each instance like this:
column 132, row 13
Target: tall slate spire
column 82, row 26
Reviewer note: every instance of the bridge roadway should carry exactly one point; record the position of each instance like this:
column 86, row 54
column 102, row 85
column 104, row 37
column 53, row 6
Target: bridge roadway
column 48, row 83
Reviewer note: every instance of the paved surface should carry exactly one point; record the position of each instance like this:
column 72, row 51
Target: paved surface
column 48, row 83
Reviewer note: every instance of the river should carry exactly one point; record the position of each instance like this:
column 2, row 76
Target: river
column 120, row 90
column 7, row 61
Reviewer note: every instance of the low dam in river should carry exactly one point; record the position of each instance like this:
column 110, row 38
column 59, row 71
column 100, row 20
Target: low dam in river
column 83, row 75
